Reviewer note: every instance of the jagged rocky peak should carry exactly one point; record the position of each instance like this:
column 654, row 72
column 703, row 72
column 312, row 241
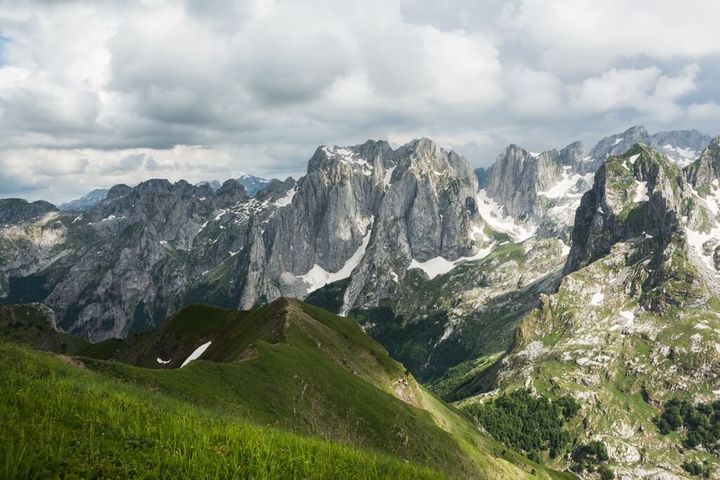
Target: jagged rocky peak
column 572, row 155
column 230, row 191
column 636, row 194
column 681, row 146
column 706, row 169
column 615, row 145
column 538, row 192
column 519, row 176
column 86, row 201
column 275, row 190
column 429, row 215
column 16, row 210
column 359, row 158
column 118, row 191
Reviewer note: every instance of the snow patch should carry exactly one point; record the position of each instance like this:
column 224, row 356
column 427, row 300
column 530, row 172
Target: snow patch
column 597, row 298
column 641, row 192
column 696, row 240
column 492, row 214
column 318, row 277
column 196, row 353
column 163, row 362
column 348, row 157
column 287, row 199
column 440, row 266
column 387, row 179
column 563, row 187
column 634, row 158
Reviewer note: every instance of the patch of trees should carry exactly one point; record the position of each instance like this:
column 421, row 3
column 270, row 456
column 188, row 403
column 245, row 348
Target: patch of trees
column 592, row 457
column 700, row 423
column 697, row 469
column 532, row 425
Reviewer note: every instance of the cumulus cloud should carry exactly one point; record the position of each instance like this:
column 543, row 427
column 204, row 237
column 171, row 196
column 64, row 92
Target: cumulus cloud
column 646, row 90
column 108, row 92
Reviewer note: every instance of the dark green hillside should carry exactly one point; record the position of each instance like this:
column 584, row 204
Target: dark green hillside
column 61, row 420
column 287, row 366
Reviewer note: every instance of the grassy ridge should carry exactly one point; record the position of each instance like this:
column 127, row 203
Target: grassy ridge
column 63, row 421
column 310, row 373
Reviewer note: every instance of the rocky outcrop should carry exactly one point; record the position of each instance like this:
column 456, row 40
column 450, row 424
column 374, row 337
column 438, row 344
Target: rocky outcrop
column 143, row 252
column 633, row 195
column 706, row 169
column 681, row 146
column 516, row 178
column 16, row 210
column 85, row 202
column 634, row 319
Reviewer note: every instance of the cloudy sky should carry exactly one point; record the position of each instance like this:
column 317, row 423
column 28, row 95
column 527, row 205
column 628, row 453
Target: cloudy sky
column 104, row 92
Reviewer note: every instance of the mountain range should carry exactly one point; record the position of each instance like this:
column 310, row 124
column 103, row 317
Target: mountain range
column 569, row 274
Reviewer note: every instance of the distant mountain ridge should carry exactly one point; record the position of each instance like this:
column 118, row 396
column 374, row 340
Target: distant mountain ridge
column 366, row 215
column 85, row 202
column 634, row 322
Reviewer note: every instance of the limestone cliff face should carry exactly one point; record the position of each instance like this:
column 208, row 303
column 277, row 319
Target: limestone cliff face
column 361, row 212
column 634, row 321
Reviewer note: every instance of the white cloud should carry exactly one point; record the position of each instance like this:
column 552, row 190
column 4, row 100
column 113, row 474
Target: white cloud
column 534, row 93
column 203, row 89
column 646, row 90
column 582, row 35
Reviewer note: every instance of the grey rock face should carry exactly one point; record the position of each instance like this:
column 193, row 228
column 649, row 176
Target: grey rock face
column 86, row 201
column 681, row 146
column 143, row 252
column 428, row 210
column 615, row 145
column 16, row 210
column 571, row 156
column 607, row 214
column 482, row 177
column 516, row 178
column 707, row 168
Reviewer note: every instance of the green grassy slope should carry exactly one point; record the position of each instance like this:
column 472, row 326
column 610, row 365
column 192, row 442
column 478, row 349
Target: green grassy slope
column 64, row 421
column 298, row 368
column 29, row 324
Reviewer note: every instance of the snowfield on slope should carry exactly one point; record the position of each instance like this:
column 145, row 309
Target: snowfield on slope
column 196, row 353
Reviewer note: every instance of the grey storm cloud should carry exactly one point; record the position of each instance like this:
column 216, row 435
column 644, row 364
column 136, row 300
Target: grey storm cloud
column 115, row 92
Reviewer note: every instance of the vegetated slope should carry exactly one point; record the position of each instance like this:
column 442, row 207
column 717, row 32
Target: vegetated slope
column 61, row 420
column 472, row 311
column 34, row 325
column 635, row 322
column 300, row 369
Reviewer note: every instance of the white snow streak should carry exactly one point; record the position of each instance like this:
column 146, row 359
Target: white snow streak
column 318, row 277
column 641, row 192
column 287, row 199
column 387, row 179
column 196, row 353
column 491, row 212
column 440, row 265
